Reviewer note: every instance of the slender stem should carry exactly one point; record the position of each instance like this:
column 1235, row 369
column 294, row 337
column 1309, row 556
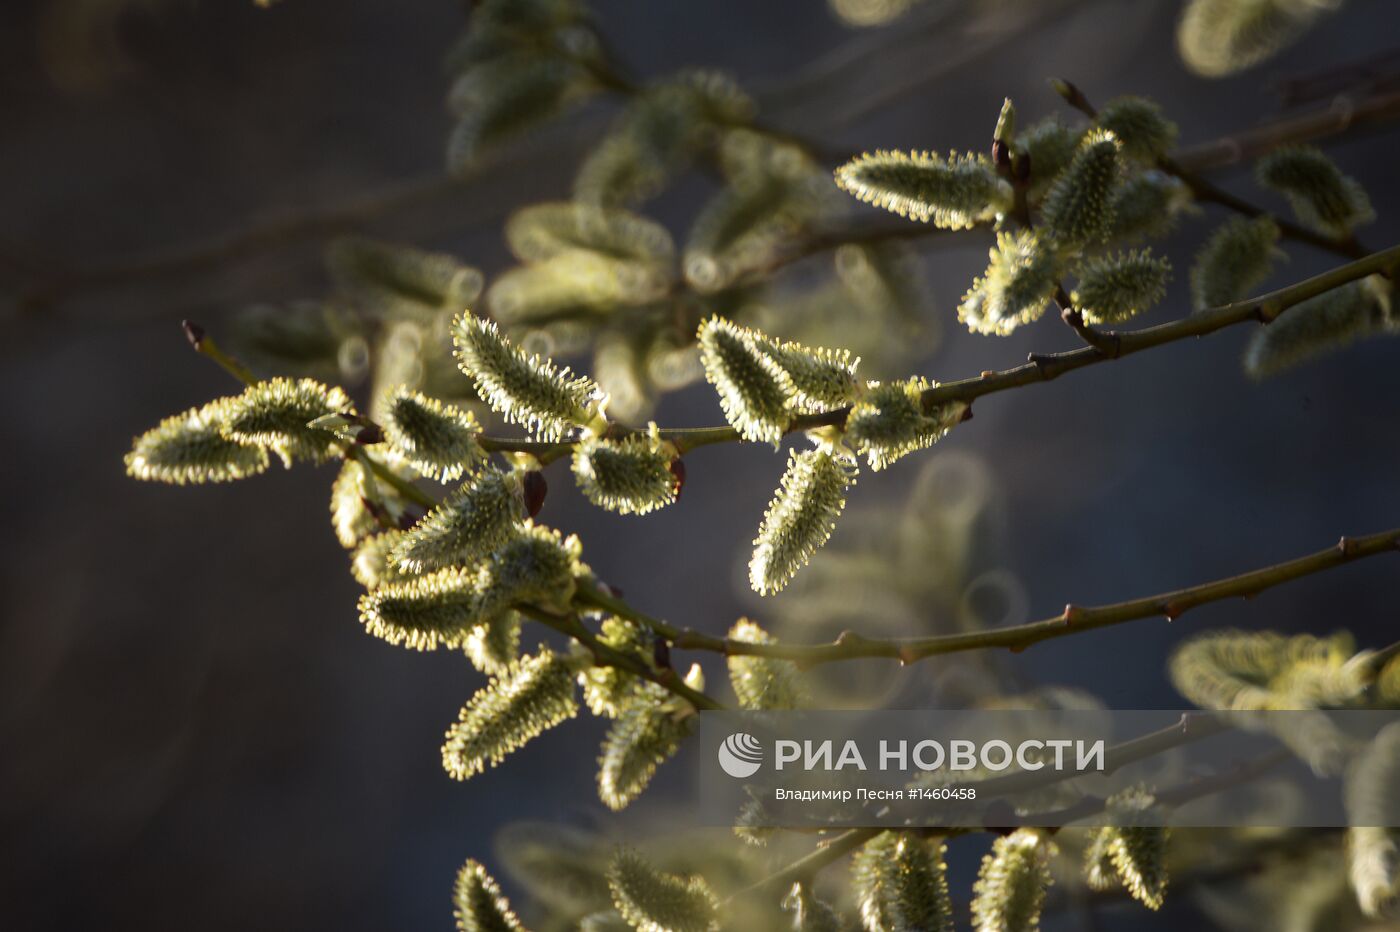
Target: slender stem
column 205, row 346
column 571, row 626
column 808, row 866
column 1073, row 620
column 1041, row 368
column 1343, row 116
column 1205, row 190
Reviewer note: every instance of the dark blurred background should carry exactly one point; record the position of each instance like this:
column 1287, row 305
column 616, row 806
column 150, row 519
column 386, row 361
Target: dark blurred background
column 195, row 731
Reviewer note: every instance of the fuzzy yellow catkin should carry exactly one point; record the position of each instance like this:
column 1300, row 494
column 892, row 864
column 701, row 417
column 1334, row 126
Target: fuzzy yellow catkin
column 479, row 904
column 800, row 518
column 955, row 193
column 652, row 901
column 1010, row 888
column 648, row 728
column 533, row 695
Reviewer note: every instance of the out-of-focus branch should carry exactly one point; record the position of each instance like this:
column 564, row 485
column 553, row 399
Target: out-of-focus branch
column 1345, row 115
column 1075, row 619
column 1205, row 190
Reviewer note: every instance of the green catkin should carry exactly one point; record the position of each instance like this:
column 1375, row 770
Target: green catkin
column 520, row 99
column 1322, row 197
column 1246, row 672
column 1315, row 327
column 522, row 387
column 652, row 901
column 277, row 414
column 1373, row 810
column 479, row 904
column 1260, row 670
column 822, row 379
column 493, row 645
column 1114, row 288
column 872, row 881
column 1137, row 849
column 1010, row 888
column 1019, row 284
column 1147, row 205
column 1387, row 686
column 1099, row 872
column 889, row 422
column 437, row 439
column 1078, row 210
column 575, row 284
column 533, row 695
column 353, row 488
column 1146, row 133
column 1373, row 869
column 1050, row 147
column 372, row 564
column 742, row 228
column 629, row 476
column 1221, row 37
column 647, row 730
column 537, row 566
column 917, row 885
column 483, row 513
column 542, row 231
column 810, row 914
column 753, row 388
column 193, row 447
column 762, row 682
column 954, row 193
column 389, row 279
column 423, row 612
column 607, row 690
column 1235, row 260
column 800, row 518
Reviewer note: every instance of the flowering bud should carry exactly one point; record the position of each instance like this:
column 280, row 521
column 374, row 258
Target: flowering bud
column 1079, row 208
column 1235, row 260
column 194, row 447
column 630, row 476
column 437, row 439
column 889, row 421
column 1115, row 288
column 1019, row 284
column 801, row 517
column 1322, row 196
column 524, row 388
column 954, row 194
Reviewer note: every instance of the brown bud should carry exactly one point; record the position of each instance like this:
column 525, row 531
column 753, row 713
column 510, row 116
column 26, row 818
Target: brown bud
column 661, row 653
column 678, row 471
column 371, row 434
column 534, row 489
column 193, row 332
column 1001, row 156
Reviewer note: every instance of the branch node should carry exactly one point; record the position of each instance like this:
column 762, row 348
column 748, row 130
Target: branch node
column 1173, row 610
column 1346, row 547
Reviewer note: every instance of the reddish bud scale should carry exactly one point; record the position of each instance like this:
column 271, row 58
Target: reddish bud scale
column 534, row 488
column 678, row 470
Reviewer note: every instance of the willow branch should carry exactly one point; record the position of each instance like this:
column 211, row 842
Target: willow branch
column 571, row 626
column 1074, row 619
column 1345, row 115
column 1041, row 368
column 1205, row 190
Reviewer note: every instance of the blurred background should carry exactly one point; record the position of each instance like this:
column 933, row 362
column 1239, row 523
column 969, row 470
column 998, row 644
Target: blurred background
column 194, row 729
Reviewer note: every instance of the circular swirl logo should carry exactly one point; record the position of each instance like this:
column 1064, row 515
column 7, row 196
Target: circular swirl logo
column 740, row 755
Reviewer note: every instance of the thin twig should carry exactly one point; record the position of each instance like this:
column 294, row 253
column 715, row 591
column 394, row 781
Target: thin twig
column 1041, row 368
column 1205, row 190
column 1074, row 619
column 1345, row 115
